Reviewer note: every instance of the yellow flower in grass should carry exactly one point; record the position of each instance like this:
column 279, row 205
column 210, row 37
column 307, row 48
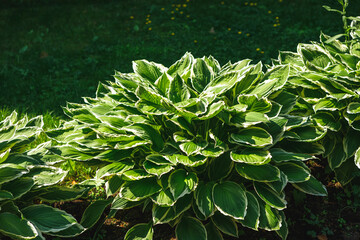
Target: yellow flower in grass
column 239, row 32
column 195, row 41
column 162, row 9
column 269, row 12
column 149, row 28
column 131, row 17
column 172, row 18
column 184, row 5
column 172, row 34
column 258, row 49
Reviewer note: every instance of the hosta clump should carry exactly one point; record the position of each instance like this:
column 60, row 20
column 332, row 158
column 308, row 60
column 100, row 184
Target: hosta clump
column 25, row 178
column 326, row 76
column 199, row 144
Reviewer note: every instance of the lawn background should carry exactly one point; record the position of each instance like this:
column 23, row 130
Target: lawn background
column 53, row 51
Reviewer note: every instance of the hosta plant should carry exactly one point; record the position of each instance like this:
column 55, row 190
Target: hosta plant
column 326, row 77
column 26, row 179
column 204, row 147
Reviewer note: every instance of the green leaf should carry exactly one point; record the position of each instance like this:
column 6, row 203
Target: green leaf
column 222, row 84
column 254, row 103
column 7, row 133
column 182, row 182
column 140, row 231
column 10, row 172
column 121, row 203
column 261, row 173
column 283, row 231
column 230, row 199
column 135, row 174
column 213, row 110
column 147, row 132
column 4, row 155
column 163, row 198
column 93, row 213
column 357, row 158
column 17, row 228
column 353, row 108
column 114, row 168
column 178, row 91
column 46, row 176
column 204, row 198
column 191, row 148
column 72, row 231
column 309, row 148
column 337, row 156
column 346, row 172
column 246, row 119
column 201, row 75
column 308, row 133
column 190, row 161
column 113, row 185
column 166, row 214
column 251, row 219
column 312, row 187
column 58, row 193
column 279, row 155
column 268, row 195
column 212, row 232
column 48, row 219
column 82, row 115
column 294, row 172
column 5, row 195
column 251, row 156
column 253, row 136
column 163, row 84
column 156, row 169
column 270, row 219
column 314, row 55
column 190, row 228
column 286, row 100
column 272, row 81
column 139, row 189
column 220, row 167
column 225, row 224
column 181, row 66
column 148, row 70
column 329, row 104
column 19, row 186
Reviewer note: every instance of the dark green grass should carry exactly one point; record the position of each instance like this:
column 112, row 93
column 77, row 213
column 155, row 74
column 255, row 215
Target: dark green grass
column 53, row 51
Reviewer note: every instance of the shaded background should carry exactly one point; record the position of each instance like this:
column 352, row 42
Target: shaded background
column 53, row 51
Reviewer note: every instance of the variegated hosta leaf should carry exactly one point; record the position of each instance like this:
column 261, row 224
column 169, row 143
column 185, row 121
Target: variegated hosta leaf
column 204, row 198
column 252, row 216
column 261, row 173
column 190, row 228
column 139, row 189
column 230, row 199
column 270, row 196
column 252, row 136
column 251, row 156
column 225, row 224
column 182, row 182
